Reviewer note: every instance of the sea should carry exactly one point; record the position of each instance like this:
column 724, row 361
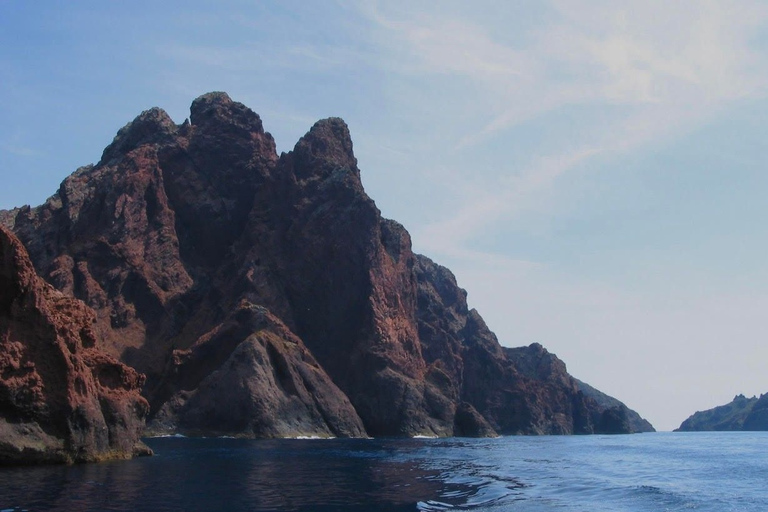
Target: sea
column 718, row 472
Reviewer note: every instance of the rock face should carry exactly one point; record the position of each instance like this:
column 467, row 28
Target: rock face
column 251, row 376
column 61, row 398
column 264, row 295
column 635, row 421
column 741, row 414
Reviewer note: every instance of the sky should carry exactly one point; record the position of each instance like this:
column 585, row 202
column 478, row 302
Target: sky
column 593, row 172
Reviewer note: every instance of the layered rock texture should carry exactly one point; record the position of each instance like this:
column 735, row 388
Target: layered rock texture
column 265, row 296
column 741, row 414
column 62, row 399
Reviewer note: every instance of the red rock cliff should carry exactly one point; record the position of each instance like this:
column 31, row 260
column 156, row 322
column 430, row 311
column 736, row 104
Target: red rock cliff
column 265, row 295
column 62, row 399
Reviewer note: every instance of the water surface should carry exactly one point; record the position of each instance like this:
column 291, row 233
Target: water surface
column 645, row 472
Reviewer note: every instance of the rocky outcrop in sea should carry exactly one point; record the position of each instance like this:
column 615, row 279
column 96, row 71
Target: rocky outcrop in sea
column 741, row 414
column 264, row 295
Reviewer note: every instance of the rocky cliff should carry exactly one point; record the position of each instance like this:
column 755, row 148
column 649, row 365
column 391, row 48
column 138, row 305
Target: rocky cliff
column 264, row 295
column 635, row 422
column 62, row 399
column 741, row 414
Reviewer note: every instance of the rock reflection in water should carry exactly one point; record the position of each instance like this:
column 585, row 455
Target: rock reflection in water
column 235, row 475
column 104, row 486
column 312, row 474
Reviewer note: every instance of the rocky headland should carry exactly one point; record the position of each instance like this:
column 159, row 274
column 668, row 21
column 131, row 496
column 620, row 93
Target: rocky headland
column 741, row 414
column 264, row 295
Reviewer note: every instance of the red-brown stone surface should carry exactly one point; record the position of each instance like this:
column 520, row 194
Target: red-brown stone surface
column 251, row 376
column 264, row 295
column 62, row 399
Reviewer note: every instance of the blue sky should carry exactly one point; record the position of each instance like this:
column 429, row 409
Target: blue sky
column 592, row 172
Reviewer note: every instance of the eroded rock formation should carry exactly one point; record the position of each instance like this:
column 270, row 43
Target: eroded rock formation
column 62, row 399
column 264, row 295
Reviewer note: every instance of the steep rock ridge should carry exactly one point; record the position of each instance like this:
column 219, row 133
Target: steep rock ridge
column 353, row 298
column 741, row 414
column 266, row 295
column 636, row 422
column 61, row 398
column 522, row 390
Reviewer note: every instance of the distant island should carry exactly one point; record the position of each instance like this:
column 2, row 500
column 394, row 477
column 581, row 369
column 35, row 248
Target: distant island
column 741, row 414
column 248, row 294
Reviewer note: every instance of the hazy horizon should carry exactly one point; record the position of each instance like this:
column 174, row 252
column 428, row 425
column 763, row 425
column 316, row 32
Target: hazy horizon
column 592, row 172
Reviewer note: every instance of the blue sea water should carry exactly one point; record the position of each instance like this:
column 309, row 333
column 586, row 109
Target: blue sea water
column 645, row 472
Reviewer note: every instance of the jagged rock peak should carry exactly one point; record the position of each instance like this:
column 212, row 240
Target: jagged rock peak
column 218, row 109
column 740, row 414
column 158, row 117
column 443, row 281
column 327, row 147
column 153, row 125
column 536, row 362
column 16, row 271
column 367, row 338
column 213, row 99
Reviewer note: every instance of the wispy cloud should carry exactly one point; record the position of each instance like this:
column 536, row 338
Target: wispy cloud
column 450, row 236
column 592, row 52
column 662, row 68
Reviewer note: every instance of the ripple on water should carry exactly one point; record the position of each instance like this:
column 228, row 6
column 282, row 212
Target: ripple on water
column 647, row 473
